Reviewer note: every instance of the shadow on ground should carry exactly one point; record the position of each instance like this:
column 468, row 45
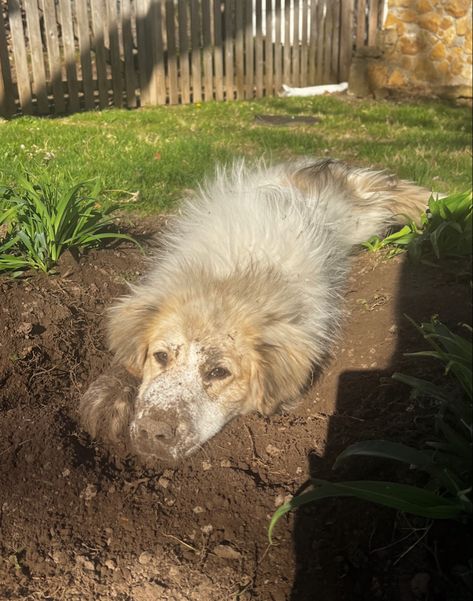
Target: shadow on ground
column 347, row 549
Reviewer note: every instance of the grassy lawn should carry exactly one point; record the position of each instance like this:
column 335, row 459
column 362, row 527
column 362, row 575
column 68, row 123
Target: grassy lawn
column 161, row 151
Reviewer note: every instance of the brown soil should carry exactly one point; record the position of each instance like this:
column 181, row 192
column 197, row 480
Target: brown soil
column 77, row 525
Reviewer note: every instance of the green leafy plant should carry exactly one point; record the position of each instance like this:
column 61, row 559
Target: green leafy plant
column 446, row 228
column 447, row 459
column 41, row 217
column 396, row 242
column 445, row 231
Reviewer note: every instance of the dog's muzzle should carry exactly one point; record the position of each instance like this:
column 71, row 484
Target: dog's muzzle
column 162, row 434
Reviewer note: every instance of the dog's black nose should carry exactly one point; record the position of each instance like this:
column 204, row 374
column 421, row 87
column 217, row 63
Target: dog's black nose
column 152, row 430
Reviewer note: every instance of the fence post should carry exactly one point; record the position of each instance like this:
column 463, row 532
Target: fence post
column 335, row 59
column 287, row 77
column 239, row 52
column 111, row 22
column 228, row 23
column 248, row 42
column 259, row 49
column 7, row 90
column 277, row 47
column 83, row 34
column 37, row 62
column 218, row 49
column 268, row 50
column 69, row 54
column 127, row 33
column 360, row 23
column 19, row 56
column 171, row 52
column 207, row 65
column 184, row 68
column 54, row 57
column 196, row 52
column 346, row 41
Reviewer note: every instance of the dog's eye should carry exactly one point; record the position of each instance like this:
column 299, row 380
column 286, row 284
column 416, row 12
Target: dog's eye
column 218, row 373
column 161, row 357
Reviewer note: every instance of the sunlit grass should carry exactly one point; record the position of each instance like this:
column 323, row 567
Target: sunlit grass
column 160, row 152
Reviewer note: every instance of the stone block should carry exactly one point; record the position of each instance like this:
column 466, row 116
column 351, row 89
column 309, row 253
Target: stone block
column 393, row 23
column 410, row 45
column 465, row 75
column 358, row 83
column 407, row 16
column 427, row 71
column 430, row 21
column 456, row 65
column 423, row 6
column 443, row 68
column 426, row 45
column 448, row 35
column 458, row 51
column 438, row 52
column 457, row 8
column 397, row 79
column 447, row 22
column 402, row 3
column 463, row 25
column 390, row 37
column 377, row 76
column 467, row 46
column 408, row 63
column 427, row 38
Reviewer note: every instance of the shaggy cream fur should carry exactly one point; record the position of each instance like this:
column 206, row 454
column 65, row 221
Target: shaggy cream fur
column 246, row 297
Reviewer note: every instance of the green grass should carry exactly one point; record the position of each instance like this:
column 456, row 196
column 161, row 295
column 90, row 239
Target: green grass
column 161, row 151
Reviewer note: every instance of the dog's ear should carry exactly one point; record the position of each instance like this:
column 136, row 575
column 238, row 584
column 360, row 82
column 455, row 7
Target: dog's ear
column 280, row 372
column 129, row 323
column 260, row 395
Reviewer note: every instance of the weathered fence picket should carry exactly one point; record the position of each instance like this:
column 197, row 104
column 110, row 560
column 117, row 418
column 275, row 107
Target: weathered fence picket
column 59, row 56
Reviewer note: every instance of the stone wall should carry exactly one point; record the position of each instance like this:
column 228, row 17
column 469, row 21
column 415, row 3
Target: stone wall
column 424, row 48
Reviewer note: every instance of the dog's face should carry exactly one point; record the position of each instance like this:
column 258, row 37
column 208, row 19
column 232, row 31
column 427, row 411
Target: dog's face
column 195, row 379
column 201, row 356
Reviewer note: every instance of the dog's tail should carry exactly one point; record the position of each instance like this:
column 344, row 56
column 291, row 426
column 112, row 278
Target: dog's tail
column 363, row 202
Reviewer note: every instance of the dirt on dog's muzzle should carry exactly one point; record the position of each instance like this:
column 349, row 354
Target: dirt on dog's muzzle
column 160, row 433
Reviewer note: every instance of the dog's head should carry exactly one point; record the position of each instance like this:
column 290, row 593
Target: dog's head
column 211, row 350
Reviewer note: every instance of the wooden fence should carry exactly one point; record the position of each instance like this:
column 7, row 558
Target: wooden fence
column 60, row 56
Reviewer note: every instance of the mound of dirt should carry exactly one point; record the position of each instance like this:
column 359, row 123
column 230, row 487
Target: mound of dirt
column 76, row 524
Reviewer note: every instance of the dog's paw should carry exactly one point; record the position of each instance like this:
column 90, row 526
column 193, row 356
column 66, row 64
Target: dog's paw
column 106, row 407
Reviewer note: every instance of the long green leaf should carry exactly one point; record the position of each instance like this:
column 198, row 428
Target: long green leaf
column 385, row 449
column 402, row 497
column 99, row 237
column 424, row 387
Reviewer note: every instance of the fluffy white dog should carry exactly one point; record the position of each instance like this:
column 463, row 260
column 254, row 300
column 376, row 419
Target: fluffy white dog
column 243, row 302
